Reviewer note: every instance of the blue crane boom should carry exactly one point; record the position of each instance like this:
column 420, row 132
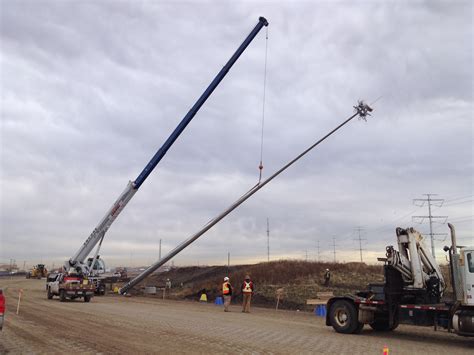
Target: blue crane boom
column 78, row 260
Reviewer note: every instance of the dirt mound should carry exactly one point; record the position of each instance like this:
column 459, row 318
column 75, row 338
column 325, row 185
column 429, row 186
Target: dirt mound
column 300, row 280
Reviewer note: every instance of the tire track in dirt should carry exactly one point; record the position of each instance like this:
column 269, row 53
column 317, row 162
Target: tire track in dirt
column 113, row 324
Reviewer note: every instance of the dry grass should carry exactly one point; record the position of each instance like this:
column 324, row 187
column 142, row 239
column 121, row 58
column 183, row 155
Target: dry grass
column 300, row 280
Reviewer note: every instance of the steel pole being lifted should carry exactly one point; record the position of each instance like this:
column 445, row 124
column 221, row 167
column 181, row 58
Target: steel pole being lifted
column 361, row 109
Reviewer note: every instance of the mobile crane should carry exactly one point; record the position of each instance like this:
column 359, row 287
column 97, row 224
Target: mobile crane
column 412, row 292
column 79, row 263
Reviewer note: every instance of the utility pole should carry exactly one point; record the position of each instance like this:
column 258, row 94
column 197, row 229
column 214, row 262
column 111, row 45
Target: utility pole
column 319, row 258
column 431, row 202
column 228, row 260
column 360, row 229
column 306, row 253
column 159, row 252
column 268, row 240
column 334, row 247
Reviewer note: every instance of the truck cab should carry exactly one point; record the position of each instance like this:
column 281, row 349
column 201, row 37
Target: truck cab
column 467, row 275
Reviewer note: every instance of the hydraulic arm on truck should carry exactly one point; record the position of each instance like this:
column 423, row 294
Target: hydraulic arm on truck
column 414, row 261
column 78, row 262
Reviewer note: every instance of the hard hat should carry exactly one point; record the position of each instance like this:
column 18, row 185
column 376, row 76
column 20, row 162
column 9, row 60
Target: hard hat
column 226, row 278
column 247, row 277
column 327, row 269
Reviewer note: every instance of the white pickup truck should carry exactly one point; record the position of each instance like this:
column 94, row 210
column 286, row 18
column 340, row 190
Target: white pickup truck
column 70, row 286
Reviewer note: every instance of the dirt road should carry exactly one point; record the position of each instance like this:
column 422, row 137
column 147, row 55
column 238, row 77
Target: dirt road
column 115, row 324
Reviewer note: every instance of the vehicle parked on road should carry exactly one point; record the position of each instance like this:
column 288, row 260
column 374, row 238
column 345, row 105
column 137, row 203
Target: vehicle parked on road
column 70, row 286
column 2, row 308
column 37, row 272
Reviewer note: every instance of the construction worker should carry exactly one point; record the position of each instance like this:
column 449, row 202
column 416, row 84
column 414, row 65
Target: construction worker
column 247, row 291
column 226, row 293
column 327, row 277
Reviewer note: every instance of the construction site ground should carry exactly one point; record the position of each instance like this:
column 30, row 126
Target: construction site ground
column 117, row 324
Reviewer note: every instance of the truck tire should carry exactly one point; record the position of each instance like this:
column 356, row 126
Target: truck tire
column 343, row 317
column 50, row 295
column 62, row 295
column 381, row 325
column 87, row 298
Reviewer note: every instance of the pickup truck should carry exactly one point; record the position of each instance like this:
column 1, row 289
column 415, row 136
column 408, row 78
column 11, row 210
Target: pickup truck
column 70, row 286
column 2, row 308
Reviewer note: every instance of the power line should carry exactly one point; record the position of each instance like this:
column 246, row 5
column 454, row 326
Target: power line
column 431, row 202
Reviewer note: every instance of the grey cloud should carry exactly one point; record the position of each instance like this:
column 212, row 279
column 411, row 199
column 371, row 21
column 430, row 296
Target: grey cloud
column 91, row 90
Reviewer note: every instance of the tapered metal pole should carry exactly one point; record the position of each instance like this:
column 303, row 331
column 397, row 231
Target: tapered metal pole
column 361, row 110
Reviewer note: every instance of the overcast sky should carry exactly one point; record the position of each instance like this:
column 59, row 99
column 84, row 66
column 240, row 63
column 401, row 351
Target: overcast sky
column 91, row 89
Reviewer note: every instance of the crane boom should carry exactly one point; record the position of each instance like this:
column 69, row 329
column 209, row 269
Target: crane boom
column 78, row 260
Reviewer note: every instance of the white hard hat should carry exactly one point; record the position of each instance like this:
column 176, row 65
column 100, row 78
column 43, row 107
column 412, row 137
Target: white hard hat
column 327, row 269
column 226, row 278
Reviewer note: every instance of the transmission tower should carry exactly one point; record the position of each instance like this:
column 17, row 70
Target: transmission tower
column 431, row 202
column 159, row 252
column 359, row 230
column 268, row 240
column 334, row 247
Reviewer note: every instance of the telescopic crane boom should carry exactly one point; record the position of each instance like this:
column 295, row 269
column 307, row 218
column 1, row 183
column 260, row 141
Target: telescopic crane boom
column 78, row 261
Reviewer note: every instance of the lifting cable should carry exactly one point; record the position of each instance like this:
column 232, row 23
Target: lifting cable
column 260, row 167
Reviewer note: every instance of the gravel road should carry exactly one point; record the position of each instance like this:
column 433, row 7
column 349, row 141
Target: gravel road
column 116, row 324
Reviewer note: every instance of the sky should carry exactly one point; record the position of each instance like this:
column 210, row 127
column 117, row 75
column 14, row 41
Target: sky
column 91, row 89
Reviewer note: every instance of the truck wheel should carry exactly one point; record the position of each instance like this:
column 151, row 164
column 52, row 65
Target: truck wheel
column 87, row 298
column 50, row 295
column 381, row 325
column 343, row 317
column 62, row 295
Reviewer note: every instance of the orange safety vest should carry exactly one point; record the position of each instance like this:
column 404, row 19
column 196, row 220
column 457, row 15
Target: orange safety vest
column 225, row 288
column 247, row 288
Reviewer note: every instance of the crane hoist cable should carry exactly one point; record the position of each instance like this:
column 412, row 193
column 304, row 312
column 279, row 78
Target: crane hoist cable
column 260, row 167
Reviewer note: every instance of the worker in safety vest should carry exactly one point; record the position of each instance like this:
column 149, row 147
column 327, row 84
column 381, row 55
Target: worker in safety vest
column 227, row 293
column 247, row 290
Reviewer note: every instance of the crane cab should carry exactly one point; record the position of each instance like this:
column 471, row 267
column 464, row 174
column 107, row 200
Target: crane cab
column 99, row 266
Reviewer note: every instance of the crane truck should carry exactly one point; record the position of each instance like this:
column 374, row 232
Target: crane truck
column 412, row 292
column 85, row 270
